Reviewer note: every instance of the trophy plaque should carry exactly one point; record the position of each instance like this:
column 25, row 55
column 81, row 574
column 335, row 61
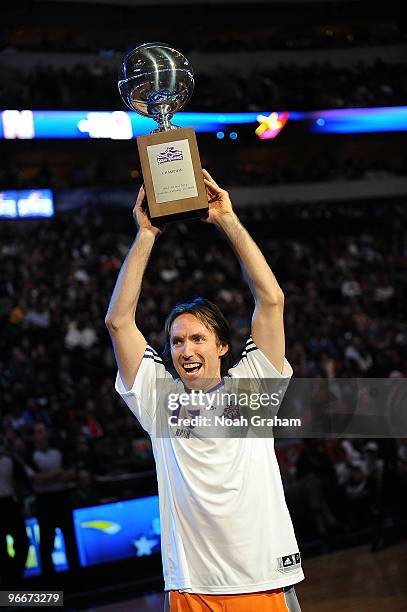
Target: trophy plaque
column 157, row 81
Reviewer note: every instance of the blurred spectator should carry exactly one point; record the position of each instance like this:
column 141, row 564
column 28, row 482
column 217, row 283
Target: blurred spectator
column 85, row 492
column 357, row 495
column 79, row 336
column 142, row 454
column 53, row 479
column 317, row 474
column 13, row 480
column 356, row 352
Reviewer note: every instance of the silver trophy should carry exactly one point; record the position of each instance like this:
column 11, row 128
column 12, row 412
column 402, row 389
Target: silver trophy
column 157, row 81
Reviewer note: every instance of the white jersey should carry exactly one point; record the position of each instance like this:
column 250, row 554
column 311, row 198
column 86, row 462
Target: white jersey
column 46, row 460
column 225, row 525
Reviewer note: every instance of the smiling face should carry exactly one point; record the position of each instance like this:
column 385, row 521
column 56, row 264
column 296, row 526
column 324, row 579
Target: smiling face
column 196, row 352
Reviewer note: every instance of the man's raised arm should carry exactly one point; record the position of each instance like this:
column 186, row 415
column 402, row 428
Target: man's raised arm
column 128, row 342
column 267, row 321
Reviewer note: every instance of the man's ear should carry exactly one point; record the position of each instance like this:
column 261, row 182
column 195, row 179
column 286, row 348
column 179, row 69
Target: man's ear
column 223, row 349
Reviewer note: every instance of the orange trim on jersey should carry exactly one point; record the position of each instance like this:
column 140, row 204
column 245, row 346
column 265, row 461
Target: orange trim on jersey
column 264, row 601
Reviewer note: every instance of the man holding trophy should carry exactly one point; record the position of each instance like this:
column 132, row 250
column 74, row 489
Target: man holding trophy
column 227, row 539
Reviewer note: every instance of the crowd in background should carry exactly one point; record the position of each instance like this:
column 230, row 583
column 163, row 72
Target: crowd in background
column 286, row 87
column 122, row 172
column 328, row 31
column 342, row 269
column 311, row 87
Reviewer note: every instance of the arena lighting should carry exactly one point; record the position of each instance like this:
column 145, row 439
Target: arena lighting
column 115, row 125
column 120, row 125
column 359, row 120
column 26, row 203
column 270, row 126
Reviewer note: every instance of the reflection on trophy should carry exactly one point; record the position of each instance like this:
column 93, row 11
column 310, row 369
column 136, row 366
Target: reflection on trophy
column 156, row 81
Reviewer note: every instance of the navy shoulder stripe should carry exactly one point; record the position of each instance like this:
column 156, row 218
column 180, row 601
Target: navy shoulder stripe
column 249, row 350
column 252, row 348
column 156, row 359
column 150, row 350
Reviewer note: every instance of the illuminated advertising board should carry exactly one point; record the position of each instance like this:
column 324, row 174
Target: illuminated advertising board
column 106, row 533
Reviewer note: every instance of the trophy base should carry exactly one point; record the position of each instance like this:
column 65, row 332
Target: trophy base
column 172, row 174
column 191, row 215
